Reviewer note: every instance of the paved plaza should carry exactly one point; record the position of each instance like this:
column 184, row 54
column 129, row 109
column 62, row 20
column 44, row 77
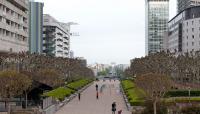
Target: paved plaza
column 109, row 92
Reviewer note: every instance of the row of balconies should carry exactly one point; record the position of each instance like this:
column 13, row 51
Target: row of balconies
column 13, row 30
column 15, row 6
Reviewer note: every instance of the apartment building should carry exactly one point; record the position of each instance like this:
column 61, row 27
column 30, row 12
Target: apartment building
column 13, row 25
column 56, row 37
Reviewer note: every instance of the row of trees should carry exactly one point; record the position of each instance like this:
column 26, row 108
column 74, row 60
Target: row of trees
column 158, row 73
column 181, row 68
column 18, row 72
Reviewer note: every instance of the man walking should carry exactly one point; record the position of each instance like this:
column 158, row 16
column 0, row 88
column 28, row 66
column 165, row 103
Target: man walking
column 113, row 108
column 97, row 87
column 79, row 96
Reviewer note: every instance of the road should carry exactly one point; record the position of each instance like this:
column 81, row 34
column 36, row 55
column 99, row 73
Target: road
column 109, row 93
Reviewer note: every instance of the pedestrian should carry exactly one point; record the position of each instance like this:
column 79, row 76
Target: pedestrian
column 113, row 108
column 97, row 87
column 97, row 96
column 79, row 96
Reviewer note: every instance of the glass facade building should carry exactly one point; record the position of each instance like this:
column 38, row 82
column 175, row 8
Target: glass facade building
column 36, row 27
column 157, row 16
column 183, row 4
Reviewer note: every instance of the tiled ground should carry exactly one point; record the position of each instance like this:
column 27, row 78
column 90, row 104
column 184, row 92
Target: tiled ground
column 90, row 105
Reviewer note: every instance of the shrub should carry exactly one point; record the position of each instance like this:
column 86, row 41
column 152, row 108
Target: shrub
column 191, row 110
column 182, row 93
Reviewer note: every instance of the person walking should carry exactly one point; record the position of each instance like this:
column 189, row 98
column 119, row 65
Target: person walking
column 79, row 96
column 97, row 87
column 97, row 96
column 113, row 108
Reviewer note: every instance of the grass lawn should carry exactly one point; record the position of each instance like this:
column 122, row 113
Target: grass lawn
column 78, row 84
column 59, row 93
column 62, row 92
column 135, row 95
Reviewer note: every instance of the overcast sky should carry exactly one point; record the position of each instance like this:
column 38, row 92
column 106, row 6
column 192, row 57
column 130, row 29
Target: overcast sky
column 110, row 30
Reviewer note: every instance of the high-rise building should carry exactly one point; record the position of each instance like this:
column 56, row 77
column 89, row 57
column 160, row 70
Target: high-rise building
column 35, row 27
column 56, row 37
column 13, row 25
column 183, row 4
column 157, row 16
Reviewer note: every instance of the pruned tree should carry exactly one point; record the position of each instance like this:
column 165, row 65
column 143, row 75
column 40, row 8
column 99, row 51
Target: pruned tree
column 155, row 86
column 13, row 84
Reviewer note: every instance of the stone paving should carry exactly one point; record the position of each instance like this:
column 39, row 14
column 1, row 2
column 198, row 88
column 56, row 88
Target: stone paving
column 88, row 104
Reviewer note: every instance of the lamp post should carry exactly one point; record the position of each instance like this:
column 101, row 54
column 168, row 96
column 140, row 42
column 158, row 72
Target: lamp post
column 189, row 90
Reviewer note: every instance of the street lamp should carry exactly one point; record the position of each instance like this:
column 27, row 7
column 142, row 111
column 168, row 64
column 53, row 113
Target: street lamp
column 189, row 90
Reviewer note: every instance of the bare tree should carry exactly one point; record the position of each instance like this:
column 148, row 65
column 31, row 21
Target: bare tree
column 155, row 86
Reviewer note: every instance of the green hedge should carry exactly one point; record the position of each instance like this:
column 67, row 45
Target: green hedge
column 59, row 93
column 79, row 84
column 62, row 92
column 135, row 95
column 182, row 99
column 183, row 93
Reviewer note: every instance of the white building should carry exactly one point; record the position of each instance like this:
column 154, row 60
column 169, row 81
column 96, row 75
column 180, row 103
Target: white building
column 13, row 25
column 56, row 37
column 184, row 31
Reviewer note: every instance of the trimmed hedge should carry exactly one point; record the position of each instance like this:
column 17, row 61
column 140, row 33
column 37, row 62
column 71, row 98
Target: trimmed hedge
column 135, row 95
column 182, row 93
column 62, row 92
column 59, row 93
column 79, row 84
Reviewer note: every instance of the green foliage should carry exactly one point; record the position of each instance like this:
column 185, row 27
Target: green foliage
column 59, row 93
column 62, row 92
column 182, row 99
column 79, row 84
column 127, row 84
column 182, row 93
column 135, row 95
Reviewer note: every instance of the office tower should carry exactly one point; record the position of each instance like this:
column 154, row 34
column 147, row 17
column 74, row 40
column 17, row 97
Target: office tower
column 35, row 27
column 157, row 16
column 183, row 4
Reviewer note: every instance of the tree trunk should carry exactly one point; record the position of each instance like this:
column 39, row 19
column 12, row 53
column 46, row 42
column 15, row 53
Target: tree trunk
column 26, row 100
column 154, row 107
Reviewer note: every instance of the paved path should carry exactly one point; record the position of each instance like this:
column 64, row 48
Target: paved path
column 90, row 105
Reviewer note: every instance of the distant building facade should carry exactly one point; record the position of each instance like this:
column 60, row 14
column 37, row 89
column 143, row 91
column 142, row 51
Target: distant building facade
column 184, row 32
column 183, row 4
column 157, row 16
column 36, row 27
column 56, row 37
column 13, row 25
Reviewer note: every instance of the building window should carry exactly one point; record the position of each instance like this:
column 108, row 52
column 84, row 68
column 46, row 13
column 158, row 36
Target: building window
column 193, row 36
column 192, row 22
column 192, row 29
column 187, row 30
column 192, row 43
column 187, row 37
